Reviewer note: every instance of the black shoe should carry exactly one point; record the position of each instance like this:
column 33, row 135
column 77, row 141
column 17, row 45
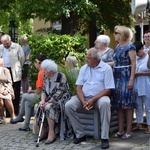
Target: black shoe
column 79, row 140
column 13, row 121
column 41, row 139
column 24, row 129
column 105, row 144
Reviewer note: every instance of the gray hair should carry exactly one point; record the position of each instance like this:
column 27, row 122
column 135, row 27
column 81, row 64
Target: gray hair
column 72, row 59
column 23, row 37
column 104, row 39
column 94, row 53
column 5, row 37
column 49, row 65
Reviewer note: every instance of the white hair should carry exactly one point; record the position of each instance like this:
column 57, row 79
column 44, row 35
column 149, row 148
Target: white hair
column 72, row 59
column 5, row 38
column 49, row 65
column 104, row 39
column 23, row 37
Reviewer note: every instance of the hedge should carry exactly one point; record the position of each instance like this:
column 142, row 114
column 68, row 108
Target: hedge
column 57, row 48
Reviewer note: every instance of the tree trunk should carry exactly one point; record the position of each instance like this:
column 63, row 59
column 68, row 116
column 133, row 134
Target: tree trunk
column 92, row 32
column 68, row 25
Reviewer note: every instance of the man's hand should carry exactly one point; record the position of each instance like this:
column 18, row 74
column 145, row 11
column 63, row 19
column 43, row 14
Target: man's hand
column 30, row 91
column 88, row 105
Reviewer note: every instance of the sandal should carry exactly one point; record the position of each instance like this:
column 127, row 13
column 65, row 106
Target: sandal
column 137, row 127
column 147, row 131
column 118, row 134
column 3, row 121
column 127, row 136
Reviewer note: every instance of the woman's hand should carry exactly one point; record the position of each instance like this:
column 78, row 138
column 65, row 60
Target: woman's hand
column 5, row 92
column 130, row 84
column 51, row 100
column 43, row 104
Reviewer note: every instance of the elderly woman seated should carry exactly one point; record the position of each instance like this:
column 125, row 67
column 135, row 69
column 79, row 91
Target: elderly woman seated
column 54, row 96
column 71, row 64
column 6, row 92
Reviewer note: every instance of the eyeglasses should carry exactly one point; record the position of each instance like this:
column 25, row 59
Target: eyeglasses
column 37, row 61
column 116, row 33
column 146, row 36
column 96, row 42
column 89, row 58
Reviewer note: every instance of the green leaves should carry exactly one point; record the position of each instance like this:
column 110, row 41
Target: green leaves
column 56, row 47
column 108, row 13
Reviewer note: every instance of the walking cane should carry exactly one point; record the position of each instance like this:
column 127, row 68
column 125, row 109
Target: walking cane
column 43, row 116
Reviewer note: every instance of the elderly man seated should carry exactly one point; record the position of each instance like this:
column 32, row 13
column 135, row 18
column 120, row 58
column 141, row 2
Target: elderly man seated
column 94, row 85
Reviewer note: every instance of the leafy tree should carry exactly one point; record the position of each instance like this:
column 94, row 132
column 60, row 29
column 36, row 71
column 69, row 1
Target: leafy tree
column 107, row 13
column 84, row 16
column 10, row 11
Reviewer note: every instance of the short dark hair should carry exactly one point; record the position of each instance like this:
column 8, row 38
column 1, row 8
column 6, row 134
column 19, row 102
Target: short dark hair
column 147, row 31
column 41, row 57
column 138, row 46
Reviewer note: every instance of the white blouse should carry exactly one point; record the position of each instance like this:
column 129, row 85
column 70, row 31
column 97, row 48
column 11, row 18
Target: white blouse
column 142, row 83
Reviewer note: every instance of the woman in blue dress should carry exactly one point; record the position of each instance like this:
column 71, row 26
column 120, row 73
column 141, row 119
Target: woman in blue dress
column 123, row 96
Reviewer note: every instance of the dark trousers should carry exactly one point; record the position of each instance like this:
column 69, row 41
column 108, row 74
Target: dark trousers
column 16, row 87
column 16, row 101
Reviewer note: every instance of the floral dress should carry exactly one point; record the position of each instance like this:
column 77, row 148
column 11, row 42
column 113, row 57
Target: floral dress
column 121, row 96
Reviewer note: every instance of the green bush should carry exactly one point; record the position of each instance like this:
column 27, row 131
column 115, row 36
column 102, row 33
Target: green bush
column 57, row 48
column 71, row 78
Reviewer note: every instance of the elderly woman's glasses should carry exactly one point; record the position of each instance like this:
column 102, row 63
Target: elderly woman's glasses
column 96, row 42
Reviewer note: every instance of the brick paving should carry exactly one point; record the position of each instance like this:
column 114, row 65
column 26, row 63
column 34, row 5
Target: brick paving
column 13, row 139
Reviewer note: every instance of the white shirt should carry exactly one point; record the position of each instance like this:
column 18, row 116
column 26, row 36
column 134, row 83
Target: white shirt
column 95, row 80
column 142, row 83
column 1, row 68
column 6, row 58
column 146, row 49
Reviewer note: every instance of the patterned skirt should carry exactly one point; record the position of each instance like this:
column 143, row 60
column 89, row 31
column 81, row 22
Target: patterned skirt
column 121, row 96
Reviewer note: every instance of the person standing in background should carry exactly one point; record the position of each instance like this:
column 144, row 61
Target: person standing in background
column 1, row 34
column 146, row 38
column 26, row 49
column 142, row 75
column 13, row 57
column 106, row 53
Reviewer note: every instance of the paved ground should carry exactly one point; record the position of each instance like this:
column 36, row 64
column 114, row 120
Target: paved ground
column 13, row 139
